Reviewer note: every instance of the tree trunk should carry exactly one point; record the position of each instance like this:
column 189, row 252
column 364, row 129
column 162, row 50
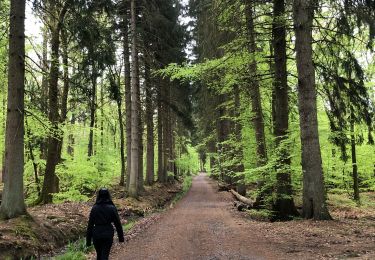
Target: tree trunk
column 239, row 167
column 161, row 174
column 127, row 100
column 134, row 173
column 354, row 158
column 256, row 103
column 150, row 127
column 166, row 127
column 12, row 204
column 50, row 178
column 70, row 148
column 90, row 150
column 140, row 183
column 65, row 92
column 122, row 137
column 32, row 157
column 284, row 203
column 314, row 196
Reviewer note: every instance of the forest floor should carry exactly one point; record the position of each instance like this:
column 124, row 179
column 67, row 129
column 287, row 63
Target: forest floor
column 48, row 228
column 205, row 225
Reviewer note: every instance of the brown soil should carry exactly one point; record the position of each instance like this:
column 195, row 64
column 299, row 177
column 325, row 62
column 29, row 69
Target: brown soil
column 204, row 225
column 49, row 228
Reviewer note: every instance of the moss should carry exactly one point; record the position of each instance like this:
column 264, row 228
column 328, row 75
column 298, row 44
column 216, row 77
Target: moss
column 23, row 227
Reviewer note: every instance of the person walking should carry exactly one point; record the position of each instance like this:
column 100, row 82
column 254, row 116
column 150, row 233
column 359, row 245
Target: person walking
column 100, row 229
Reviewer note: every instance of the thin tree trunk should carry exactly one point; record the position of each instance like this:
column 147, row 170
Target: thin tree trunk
column 239, row 167
column 150, row 127
column 134, row 173
column 44, row 99
column 127, row 100
column 122, row 137
column 284, row 203
column 354, row 158
column 314, row 195
column 32, row 157
column 90, row 150
column 166, row 122
column 161, row 175
column 70, row 148
column 13, row 204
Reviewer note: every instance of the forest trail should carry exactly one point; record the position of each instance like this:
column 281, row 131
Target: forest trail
column 201, row 226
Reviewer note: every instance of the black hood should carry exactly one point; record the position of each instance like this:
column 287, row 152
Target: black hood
column 103, row 197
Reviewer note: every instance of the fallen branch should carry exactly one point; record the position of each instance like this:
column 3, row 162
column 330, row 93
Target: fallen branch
column 241, row 198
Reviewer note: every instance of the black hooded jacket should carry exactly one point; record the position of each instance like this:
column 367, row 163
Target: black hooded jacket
column 102, row 215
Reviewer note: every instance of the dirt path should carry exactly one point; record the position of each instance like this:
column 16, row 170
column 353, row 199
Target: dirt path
column 201, row 226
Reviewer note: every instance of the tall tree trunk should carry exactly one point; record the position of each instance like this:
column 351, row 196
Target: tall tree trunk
column 314, row 195
column 140, row 151
column 256, row 102
column 102, row 117
column 150, row 127
column 161, row 174
column 284, row 204
column 122, row 137
column 32, row 157
column 135, row 113
column 13, row 204
column 239, row 167
column 166, row 125
column 127, row 98
column 44, row 104
column 50, row 178
column 90, row 150
column 354, row 158
column 65, row 92
column 70, row 148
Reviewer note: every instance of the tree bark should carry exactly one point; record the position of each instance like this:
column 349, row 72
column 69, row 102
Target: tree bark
column 256, row 103
column 134, row 173
column 284, row 203
column 70, row 148
column 127, row 98
column 354, row 158
column 90, row 150
column 239, row 167
column 150, row 126
column 65, row 92
column 161, row 174
column 314, row 196
column 122, row 137
column 12, row 204
column 50, row 178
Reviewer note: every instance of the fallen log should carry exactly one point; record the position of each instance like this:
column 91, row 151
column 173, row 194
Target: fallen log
column 224, row 186
column 241, row 206
column 241, row 198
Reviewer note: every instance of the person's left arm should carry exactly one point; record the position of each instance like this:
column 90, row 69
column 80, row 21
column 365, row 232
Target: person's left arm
column 117, row 222
column 90, row 227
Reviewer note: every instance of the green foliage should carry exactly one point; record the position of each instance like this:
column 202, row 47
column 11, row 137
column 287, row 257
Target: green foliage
column 75, row 251
column 188, row 162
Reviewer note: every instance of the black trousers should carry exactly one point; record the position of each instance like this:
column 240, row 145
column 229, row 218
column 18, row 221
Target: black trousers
column 103, row 248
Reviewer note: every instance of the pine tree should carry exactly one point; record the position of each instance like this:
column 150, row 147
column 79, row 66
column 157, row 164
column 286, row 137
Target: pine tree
column 12, row 204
